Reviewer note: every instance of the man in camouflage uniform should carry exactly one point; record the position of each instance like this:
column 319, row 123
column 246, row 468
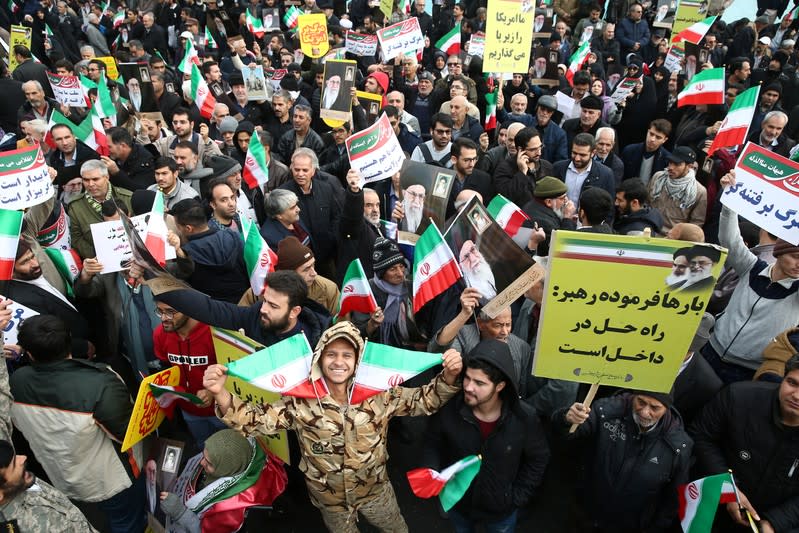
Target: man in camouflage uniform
column 343, row 446
column 28, row 504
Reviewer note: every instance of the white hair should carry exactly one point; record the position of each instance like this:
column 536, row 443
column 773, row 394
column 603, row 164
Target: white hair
column 609, row 131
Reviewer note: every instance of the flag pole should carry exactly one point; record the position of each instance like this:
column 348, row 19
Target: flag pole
column 741, row 508
column 587, row 402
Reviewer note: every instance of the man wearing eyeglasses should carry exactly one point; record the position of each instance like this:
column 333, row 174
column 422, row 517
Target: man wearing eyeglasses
column 455, row 69
column 633, row 31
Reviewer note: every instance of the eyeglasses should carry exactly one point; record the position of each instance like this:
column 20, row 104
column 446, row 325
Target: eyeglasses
column 168, row 314
column 443, row 132
column 469, row 159
column 453, row 64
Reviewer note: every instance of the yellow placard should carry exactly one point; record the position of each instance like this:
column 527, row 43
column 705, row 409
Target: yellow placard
column 147, row 415
column 688, row 13
column 111, row 71
column 386, row 7
column 312, row 30
column 509, row 36
column 17, row 35
column 617, row 312
column 231, row 346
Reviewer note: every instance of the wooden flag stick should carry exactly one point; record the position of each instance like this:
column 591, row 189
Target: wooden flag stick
column 587, row 402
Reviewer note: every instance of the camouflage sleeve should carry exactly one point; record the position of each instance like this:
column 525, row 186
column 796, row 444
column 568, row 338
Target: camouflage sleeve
column 252, row 419
column 5, row 404
column 44, row 508
column 424, row 400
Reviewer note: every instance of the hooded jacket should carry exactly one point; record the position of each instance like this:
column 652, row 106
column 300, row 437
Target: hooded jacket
column 219, row 268
column 646, row 217
column 514, row 455
column 343, row 448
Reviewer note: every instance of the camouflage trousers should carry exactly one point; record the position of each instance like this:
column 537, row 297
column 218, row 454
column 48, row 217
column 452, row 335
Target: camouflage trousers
column 382, row 512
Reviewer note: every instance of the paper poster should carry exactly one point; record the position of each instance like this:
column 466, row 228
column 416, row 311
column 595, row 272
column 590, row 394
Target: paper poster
column 425, row 196
column 254, row 82
column 18, row 35
column 112, row 246
column 766, row 192
column 477, row 44
column 231, row 346
column 271, row 19
column 274, row 76
column 509, row 37
column 312, row 30
column 689, row 12
column 67, row 90
column 361, row 44
column 623, row 89
column 664, row 15
column 375, row 152
column 399, row 38
column 19, row 313
column 545, row 67
column 140, row 87
column 24, row 178
column 675, row 57
column 489, row 259
column 543, row 23
column 635, row 334
column 336, row 102
column 147, row 415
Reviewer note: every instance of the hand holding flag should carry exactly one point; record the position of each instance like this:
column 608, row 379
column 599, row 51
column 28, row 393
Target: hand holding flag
column 449, row 485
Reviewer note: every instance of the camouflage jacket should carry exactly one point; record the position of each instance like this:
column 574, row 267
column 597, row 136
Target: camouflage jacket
column 343, row 447
column 43, row 509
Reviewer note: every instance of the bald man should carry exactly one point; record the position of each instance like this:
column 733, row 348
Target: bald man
column 397, row 99
column 463, row 125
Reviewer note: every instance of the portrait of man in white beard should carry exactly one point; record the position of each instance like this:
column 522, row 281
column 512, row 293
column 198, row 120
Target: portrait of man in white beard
column 134, row 89
column 679, row 270
column 413, row 204
column 477, row 272
column 331, row 91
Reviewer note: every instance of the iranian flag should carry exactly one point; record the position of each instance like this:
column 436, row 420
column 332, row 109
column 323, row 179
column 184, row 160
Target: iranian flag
column 450, row 43
column 210, row 42
column 190, row 57
column 383, row 367
column 83, row 131
column 735, row 126
column 695, row 32
column 100, row 139
column 284, row 368
column 491, row 110
column 48, row 32
column 434, row 268
column 700, row 499
column 155, row 238
column 68, row 264
column 258, row 257
column 507, row 214
column 118, row 19
column 577, row 60
column 405, row 6
column 256, row 169
column 707, row 87
column 356, row 294
column 10, row 227
column 104, row 103
column 291, row 17
column 167, row 395
column 449, row 485
column 255, row 25
column 203, row 98
column 793, row 13
column 13, row 6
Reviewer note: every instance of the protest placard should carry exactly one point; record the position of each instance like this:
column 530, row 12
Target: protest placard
column 147, row 415
column 312, row 30
column 623, row 89
column 375, row 152
column 19, row 313
column 335, row 102
column 231, row 346
column 254, row 82
column 274, row 76
column 111, row 71
column 361, row 44
column 400, row 38
column 509, row 37
column 674, row 58
column 18, row 35
column 489, row 259
column 112, row 246
column 24, row 178
column 425, row 196
column 477, row 44
column 766, row 192
column 67, row 90
column 617, row 312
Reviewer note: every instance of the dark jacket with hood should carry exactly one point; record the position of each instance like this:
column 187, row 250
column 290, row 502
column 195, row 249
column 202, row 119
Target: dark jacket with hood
column 219, row 269
column 632, row 477
column 646, row 217
column 515, row 454
column 245, row 126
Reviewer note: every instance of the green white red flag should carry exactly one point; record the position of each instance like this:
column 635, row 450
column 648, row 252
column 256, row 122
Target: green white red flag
column 292, row 17
column 68, row 264
column 100, row 139
column 577, row 60
column 706, row 87
column 10, row 228
column 167, row 395
column 793, row 13
column 210, row 42
column 695, row 32
column 450, row 42
column 104, row 103
column 700, row 499
column 155, row 238
column 203, row 98
column 284, row 368
column 491, row 110
column 383, row 367
column 13, row 6
column 449, row 485
column 119, row 18
column 735, row 127
column 256, row 169
column 356, row 294
column 507, row 214
column 434, row 267
column 255, row 25
column 258, row 257
column 83, row 131
column 190, row 57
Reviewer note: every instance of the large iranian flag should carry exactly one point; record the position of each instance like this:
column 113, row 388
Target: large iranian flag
column 735, row 127
column 258, row 257
column 83, row 131
column 707, row 87
column 10, row 227
column 202, row 97
column 434, row 267
column 507, row 214
column 155, row 238
column 284, row 368
column 255, row 25
column 700, row 499
column 356, row 294
column 577, row 60
column 256, row 169
column 383, row 367
column 450, row 42
column 695, row 32
column 449, row 485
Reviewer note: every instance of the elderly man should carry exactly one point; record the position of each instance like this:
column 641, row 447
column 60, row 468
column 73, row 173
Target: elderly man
column 676, row 193
column 633, row 31
column 85, row 210
column 412, row 207
column 359, row 226
column 518, row 110
column 463, row 125
column 397, row 99
column 551, row 209
column 771, row 135
column 603, row 152
column 489, row 160
column 283, row 219
column 556, row 147
column 300, row 136
column 589, row 121
column 152, row 36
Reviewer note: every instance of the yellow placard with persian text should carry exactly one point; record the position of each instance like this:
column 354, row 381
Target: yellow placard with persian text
column 147, row 415
column 509, row 36
column 231, row 346
column 110, row 67
column 621, row 310
column 312, row 30
column 17, row 35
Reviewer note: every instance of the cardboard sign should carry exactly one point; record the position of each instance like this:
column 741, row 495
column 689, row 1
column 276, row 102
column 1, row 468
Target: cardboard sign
column 67, row 90
column 147, row 415
column 361, row 44
column 112, row 245
column 19, row 313
column 24, row 178
column 509, row 37
column 312, row 30
column 400, row 38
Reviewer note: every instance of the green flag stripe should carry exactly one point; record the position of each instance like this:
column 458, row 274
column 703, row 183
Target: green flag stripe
column 275, row 356
column 570, row 241
column 380, row 355
column 10, row 223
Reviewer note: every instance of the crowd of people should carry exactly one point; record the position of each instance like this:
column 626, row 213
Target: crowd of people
column 631, row 167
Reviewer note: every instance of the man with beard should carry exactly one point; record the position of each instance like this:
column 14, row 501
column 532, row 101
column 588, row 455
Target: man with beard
column 770, row 135
column 633, row 214
column 129, row 164
column 411, row 210
column 581, row 171
column 679, row 269
column 168, row 183
column 223, row 204
column 676, row 193
column 700, row 265
column 436, row 151
column 517, row 176
column 330, row 98
column 477, row 272
column 191, row 170
column 551, row 209
column 183, row 126
column 359, row 226
column 589, row 121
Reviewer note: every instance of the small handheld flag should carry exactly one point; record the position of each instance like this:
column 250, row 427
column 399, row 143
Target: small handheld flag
column 356, row 294
column 449, row 485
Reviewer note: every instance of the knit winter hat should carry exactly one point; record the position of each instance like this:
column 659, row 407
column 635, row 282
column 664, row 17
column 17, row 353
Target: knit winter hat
column 663, row 397
column 292, row 254
column 782, row 247
column 229, row 452
column 549, row 187
column 224, row 166
column 385, row 254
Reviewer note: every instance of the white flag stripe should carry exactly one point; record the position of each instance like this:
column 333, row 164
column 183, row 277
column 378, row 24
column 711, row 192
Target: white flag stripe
column 7, row 243
column 379, row 377
column 613, row 252
column 438, row 258
column 294, row 373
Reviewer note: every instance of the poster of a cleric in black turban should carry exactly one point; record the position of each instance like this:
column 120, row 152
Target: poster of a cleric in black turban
column 425, row 194
column 140, row 87
column 489, row 259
